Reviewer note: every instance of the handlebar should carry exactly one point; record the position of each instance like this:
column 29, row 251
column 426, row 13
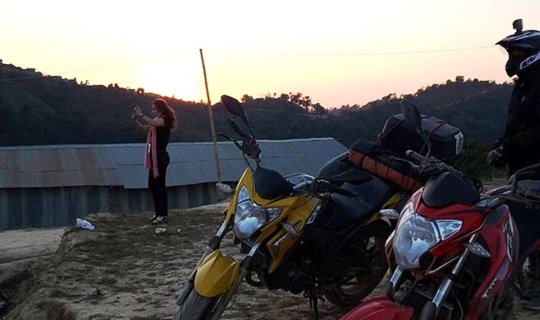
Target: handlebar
column 416, row 157
column 532, row 171
column 494, row 201
column 426, row 167
column 249, row 146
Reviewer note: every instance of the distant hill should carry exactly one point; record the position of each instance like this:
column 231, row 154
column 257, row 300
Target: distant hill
column 478, row 108
column 39, row 109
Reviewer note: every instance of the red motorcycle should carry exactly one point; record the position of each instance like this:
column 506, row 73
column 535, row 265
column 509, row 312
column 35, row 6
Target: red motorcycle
column 454, row 251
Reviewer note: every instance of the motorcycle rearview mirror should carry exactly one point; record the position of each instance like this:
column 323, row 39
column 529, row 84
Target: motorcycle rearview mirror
column 412, row 116
column 391, row 214
column 233, row 106
column 236, row 108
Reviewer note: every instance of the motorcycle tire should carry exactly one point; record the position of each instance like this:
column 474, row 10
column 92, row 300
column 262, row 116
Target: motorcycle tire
column 503, row 306
column 375, row 233
column 428, row 311
column 196, row 307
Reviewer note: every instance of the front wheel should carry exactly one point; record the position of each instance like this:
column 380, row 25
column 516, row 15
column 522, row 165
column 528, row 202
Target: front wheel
column 429, row 311
column 195, row 307
column 502, row 307
column 365, row 259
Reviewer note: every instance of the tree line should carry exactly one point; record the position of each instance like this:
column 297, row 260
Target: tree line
column 51, row 110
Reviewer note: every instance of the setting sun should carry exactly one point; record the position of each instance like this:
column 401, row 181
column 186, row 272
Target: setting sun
column 177, row 76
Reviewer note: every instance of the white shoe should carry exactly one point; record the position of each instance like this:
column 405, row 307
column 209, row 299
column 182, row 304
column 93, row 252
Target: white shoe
column 160, row 220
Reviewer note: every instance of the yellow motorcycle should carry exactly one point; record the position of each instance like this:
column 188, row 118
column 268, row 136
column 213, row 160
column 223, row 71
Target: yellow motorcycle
column 321, row 236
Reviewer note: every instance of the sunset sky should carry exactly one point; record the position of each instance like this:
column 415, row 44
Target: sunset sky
column 337, row 52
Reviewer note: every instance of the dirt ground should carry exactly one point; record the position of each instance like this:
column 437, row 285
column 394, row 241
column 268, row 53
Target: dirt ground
column 16, row 245
column 126, row 270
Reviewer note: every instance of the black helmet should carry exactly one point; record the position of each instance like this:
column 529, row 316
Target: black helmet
column 523, row 49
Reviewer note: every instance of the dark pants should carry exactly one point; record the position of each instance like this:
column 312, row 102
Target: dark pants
column 528, row 224
column 527, row 220
column 157, row 185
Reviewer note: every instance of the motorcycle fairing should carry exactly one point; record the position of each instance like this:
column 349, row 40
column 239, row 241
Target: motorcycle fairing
column 502, row 243
column 270, row 184
column 472, row 219
column 380, row 308
column 216, row 274
column 282, row 242
column 296, row 212
column 448, row 189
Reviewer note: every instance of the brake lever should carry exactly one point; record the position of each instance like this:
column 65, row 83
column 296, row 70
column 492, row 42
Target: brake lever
column 416, row 168
column 518, row 199
column 418, row 158
column 329, row 187
column 402, row 160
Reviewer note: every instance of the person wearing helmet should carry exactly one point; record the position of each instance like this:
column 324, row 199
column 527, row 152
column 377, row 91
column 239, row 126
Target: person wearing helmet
column 519, row 146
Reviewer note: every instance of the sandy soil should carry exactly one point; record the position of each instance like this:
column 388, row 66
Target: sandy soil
column 126, row 270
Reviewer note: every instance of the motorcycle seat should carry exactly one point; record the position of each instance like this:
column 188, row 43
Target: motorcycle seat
column 371, row 196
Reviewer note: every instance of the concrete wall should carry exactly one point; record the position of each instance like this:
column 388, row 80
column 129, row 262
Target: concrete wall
column 50, row 207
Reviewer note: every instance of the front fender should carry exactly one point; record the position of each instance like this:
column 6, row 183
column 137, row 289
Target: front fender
column 216, row 274
column 378, row 309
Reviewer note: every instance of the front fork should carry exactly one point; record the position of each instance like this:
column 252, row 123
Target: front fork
column 212, row 245
column 444, row 288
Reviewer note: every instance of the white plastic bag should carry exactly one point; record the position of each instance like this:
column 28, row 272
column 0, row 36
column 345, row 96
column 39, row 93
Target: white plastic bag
column 225, row 188
column 84, row 224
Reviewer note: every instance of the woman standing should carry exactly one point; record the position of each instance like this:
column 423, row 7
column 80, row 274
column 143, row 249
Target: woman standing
column 159, row 128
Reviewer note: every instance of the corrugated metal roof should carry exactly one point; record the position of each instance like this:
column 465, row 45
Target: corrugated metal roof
column 123, row 164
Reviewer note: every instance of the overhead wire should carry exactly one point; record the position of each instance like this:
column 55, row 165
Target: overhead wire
column 304, row 54
column 344, row 54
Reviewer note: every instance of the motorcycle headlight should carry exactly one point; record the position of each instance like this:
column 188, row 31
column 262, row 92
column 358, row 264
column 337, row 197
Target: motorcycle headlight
column 415, row 235
column 250, row 217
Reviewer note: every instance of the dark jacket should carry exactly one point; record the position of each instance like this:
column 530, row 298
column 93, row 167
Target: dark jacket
column 521, row 137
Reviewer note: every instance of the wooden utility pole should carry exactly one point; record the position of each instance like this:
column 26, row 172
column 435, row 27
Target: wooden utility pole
column 210, row 115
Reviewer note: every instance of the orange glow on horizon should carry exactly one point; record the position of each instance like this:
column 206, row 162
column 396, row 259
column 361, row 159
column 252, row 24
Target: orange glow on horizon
column 251, row 49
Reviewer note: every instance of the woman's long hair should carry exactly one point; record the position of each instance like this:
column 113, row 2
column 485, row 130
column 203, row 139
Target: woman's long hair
column 168, row 113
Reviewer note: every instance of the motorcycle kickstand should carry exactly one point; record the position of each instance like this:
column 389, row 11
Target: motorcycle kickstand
column 314, row 304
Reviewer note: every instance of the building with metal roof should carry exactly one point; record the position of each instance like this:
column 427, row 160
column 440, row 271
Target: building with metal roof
column 42, row 186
